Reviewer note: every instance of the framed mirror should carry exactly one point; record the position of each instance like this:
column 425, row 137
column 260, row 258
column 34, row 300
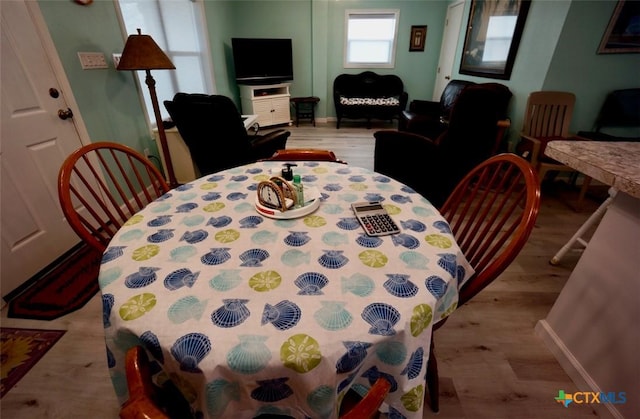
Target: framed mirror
column 493, row 35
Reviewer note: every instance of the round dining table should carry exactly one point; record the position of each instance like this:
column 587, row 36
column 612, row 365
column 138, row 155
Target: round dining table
column 249, row 313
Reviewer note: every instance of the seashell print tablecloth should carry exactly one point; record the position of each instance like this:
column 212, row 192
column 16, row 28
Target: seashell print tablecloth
column 251, row 315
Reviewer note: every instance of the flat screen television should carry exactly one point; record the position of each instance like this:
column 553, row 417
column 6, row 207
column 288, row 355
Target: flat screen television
column 262, row 60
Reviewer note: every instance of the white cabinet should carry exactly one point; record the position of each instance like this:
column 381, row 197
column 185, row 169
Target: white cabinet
column 269, row 102
column 180, row 156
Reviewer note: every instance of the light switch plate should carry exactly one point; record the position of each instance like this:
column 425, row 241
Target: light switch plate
column 116, row 60
column 92, row 60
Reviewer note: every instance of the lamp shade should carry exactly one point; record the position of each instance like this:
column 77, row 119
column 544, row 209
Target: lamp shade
column 142, row 53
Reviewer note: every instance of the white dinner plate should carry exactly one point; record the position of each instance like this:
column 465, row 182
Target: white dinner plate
column 288, row 214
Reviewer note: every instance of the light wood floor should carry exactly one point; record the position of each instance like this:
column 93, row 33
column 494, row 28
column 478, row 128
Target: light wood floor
column 491, row 363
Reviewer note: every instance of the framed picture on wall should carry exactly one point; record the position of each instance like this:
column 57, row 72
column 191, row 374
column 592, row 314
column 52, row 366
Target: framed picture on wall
column 418, row 37
column 623, row 32
column 493, row 35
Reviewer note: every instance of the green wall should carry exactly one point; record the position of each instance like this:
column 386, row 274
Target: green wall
column 557, row 52
column 261, row 19
column 537, row 45
column 109, row 103
column 317, row 30
column 220, row 24
column 593, row 75
column 416, row 69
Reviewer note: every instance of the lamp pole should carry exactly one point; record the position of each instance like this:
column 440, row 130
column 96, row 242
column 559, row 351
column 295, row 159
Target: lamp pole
column 151, row 83
column 142, row 53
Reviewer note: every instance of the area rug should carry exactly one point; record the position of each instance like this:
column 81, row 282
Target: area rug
column 64, row 289
column 21, row 350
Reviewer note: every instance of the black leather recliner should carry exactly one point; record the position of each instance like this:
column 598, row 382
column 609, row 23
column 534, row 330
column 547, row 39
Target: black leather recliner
column 429, row 118
column 621, row 109
column 214, row 132
column 433, row 167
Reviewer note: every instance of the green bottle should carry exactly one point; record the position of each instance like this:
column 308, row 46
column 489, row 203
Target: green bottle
column 297, row 185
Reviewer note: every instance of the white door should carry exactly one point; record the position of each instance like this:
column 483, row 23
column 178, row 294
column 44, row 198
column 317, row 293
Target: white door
column 448, row 48
column 34, row 142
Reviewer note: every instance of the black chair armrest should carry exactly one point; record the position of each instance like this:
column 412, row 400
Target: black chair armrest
column 601, row 136
column 424, row 107
column 263, row 146
column 430, row 126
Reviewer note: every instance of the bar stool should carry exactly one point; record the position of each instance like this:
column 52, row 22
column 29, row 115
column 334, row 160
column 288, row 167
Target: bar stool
column 305, row 108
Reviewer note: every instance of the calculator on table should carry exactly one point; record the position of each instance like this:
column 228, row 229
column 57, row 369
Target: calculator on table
column 375, row 220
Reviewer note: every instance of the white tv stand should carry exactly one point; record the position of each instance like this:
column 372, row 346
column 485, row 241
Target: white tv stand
column 270, row 102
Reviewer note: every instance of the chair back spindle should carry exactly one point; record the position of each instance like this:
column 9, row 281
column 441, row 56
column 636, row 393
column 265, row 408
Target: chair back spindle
column 548, row 114
column 102, row 185
column 491, row 213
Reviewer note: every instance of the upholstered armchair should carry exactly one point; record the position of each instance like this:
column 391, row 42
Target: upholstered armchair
column 214, row 132
column 433, row 166
column 429, row 118
column 618, row 119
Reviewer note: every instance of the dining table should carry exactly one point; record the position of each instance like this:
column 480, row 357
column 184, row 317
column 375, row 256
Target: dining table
column 255, row 312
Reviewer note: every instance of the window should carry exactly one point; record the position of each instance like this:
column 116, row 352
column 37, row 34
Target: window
column 370, row 40
column 179, row 28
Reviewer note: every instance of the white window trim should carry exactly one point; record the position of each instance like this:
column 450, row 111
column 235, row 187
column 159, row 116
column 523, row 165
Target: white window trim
column 349, row 12
column 203, row 38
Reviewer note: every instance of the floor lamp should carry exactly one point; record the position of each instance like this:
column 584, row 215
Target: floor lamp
column 142, row 53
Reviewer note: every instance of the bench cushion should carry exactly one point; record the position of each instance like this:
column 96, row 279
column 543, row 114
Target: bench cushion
column 370, row 101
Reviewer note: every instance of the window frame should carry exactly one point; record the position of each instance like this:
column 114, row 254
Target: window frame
column 363, row 13
column 204, row 57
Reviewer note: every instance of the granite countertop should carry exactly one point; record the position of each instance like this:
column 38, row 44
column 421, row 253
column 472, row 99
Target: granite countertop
column 614, row 163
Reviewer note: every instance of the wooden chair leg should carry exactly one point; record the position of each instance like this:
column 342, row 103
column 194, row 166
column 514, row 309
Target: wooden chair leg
column 542, row 173
column 432, row 379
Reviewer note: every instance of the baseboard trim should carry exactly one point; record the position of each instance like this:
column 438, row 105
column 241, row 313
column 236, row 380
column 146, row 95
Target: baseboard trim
column 573, row 368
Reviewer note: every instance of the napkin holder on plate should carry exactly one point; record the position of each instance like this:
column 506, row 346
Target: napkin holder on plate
column 277, row 193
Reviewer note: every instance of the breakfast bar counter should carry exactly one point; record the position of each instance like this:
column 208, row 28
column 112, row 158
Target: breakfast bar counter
column 592, row 327
column 615, row 163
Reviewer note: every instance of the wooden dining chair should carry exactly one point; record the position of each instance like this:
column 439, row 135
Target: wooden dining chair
column 102, row 185
column 547, row 118
column 305, row 154
column 145, row 398
column 367, row 407
column 491, row 212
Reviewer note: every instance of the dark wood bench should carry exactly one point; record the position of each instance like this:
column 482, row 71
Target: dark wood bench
column 368, row 96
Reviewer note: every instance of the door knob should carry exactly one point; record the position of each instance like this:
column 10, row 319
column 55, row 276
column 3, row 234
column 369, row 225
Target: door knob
column 447, row 78
column 62, row 114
